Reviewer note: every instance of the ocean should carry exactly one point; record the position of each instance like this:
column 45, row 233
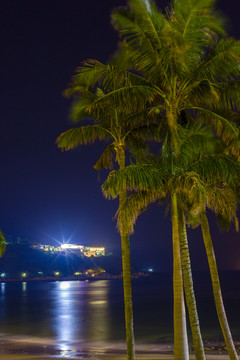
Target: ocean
column 66, row 316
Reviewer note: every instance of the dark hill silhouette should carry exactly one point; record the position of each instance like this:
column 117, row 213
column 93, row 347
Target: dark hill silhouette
column 21, row 258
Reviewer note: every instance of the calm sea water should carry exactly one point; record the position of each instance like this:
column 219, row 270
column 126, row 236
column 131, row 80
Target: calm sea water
column 74, row 314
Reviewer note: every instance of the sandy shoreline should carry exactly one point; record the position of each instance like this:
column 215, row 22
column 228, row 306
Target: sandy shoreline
column 10, row 356
column 19, row 349
column 14, row 351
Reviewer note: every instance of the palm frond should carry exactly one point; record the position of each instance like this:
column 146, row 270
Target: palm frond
column 196, row 21
column 140, row 95
column 222, row 200
column 229, row 93
column 224, row 128
column 106, row 159
column 222, row 62
column 141, row 24
column 3, row 243
column 79, row 108
column 88, row 75
column 200, row 92
column 134, row 177
column 225, row 223
column 83, row 135
column 190, row 184
column 233, row 149
column 152, row 132
column 142, row 28
column 136, row 204
column 219, row 167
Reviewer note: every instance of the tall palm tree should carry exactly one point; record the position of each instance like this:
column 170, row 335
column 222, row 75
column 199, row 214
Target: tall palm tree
column 181, row 67
column 163, row 182
column 122, row 127
column 217, row 287
column 222, row 199
column 155, row 182
column 188, row 66
column 189, row 289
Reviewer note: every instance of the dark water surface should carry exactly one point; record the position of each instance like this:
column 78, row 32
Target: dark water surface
column 69, row 314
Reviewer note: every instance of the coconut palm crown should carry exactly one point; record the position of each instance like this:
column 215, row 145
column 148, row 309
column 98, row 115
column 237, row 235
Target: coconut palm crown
column 184, row 56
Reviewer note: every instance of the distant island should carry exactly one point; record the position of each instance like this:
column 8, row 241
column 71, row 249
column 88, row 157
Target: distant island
column 26, row 261
column 87, row 251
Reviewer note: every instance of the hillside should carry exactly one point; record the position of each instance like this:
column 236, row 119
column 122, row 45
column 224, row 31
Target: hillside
column 20, row 259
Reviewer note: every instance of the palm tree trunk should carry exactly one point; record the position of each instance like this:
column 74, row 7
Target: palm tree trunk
column 126, row 266
column 217, row 288
column 179, row 316
column 189, row 290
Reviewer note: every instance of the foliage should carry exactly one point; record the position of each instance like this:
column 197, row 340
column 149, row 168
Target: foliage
column 3, row 244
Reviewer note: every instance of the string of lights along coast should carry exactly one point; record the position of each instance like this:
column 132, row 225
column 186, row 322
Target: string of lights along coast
column 84, row 250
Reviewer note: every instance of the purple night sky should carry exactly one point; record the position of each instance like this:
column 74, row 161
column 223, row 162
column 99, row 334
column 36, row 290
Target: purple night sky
column 47, row 194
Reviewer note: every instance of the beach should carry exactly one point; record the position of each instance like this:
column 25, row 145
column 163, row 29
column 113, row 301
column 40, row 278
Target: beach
column 84, row 320
column 9, row 356
column 16, row 350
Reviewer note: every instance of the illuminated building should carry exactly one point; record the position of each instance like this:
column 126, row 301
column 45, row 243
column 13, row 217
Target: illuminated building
column 49, row 248
column 84, row 250
column 72, row 247
column 93, row 251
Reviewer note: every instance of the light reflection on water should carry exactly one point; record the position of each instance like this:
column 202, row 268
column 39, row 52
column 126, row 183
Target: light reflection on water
column 80, row 314
column 79, row 309
column 68, row 312
column 65, row 313
column 3, row 286
column 24, row 286
column 98, row 308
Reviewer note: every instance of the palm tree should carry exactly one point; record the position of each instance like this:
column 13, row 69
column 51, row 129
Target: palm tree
column 189, row 289
column 123, row 130
column 156, row 181
column 222, row 199
column 161, row 181
column 181, row 67
column 217, row 287
column 190, row 69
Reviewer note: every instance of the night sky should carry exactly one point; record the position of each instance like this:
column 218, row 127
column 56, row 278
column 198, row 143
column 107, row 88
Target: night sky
column 46, row 194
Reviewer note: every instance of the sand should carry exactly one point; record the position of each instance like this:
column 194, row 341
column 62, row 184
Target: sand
column 10, row 356
column 19, row 350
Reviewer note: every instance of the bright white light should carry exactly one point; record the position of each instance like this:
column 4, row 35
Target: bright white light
column 64, row 285
column 150, row 269
column 71, row 246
